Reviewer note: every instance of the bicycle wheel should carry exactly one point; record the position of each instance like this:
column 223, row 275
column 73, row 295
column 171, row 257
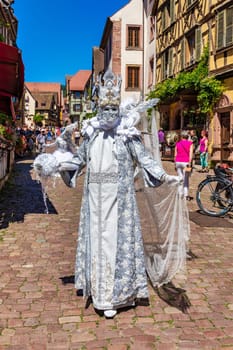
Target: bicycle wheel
column 215, row 196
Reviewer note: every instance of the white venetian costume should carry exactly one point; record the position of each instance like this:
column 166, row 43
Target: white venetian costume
column 110, row 263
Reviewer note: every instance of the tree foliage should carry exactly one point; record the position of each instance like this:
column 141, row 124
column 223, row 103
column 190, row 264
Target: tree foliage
column 208, row 89
column 90, row 115
column 5, row 119
column 38, row 118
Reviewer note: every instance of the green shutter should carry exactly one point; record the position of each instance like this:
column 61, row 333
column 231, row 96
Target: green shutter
column 198, row 44
column 172, row 11
column 182, row 54
column 229, row 26
column 170, row 62
column 163, row 19
column 163, row 66
column 220, row 30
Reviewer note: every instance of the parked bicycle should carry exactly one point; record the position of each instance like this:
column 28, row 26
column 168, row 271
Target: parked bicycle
column 215, row 193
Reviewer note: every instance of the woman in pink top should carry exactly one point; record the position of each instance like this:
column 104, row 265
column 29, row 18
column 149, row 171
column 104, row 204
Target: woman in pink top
column 183, row 157
column 204, row 152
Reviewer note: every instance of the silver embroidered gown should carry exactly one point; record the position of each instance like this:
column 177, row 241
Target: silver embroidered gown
column 110, row 263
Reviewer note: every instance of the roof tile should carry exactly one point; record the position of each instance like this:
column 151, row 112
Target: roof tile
column 79, row 80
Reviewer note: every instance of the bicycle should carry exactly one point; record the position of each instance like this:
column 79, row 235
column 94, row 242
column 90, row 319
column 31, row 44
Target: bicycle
column 214, row 194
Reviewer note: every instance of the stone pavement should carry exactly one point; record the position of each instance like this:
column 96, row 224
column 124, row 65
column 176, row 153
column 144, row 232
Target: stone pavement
column 39, row 308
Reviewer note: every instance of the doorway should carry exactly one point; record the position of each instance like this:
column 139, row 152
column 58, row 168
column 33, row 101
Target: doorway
column 225, row 135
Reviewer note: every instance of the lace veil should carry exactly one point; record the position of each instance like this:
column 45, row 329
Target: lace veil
column 165, row 241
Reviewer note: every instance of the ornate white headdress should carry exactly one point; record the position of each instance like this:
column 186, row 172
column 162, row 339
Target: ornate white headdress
column 109, row 91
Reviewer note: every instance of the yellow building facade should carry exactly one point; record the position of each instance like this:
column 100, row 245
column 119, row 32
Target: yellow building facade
column 221, row 66
column 183, row 29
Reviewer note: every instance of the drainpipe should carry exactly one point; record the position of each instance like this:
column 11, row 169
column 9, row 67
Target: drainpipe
column 143, row 51
column 210, row 129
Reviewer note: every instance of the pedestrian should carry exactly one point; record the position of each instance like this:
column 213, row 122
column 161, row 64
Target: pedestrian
column 48, row 136
column 57, row 131
column 204, row 151
column 110, row 262
column 193, row 137
column 40, row 140
column 21, row 144
column 161, row 136
column 183, row 161
column 76, row 136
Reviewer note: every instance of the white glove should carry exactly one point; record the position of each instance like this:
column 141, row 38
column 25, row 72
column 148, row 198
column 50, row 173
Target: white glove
column 172, row 179
column 71, row 127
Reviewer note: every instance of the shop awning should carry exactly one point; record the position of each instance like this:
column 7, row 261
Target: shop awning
column 11, row 76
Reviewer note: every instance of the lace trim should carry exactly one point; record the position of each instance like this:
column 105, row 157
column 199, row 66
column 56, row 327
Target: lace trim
column 103, row 178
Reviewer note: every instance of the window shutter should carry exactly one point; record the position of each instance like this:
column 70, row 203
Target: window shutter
column 182, row 54
column 220, row 30
column 163, row 19
column 163, row 66
column 198, row 44
column 172, row 11
column 229, row 26
column 170, row 62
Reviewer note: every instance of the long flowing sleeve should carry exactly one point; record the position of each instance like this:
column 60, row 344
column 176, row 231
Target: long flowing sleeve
column 152, row 171
column 71, row 169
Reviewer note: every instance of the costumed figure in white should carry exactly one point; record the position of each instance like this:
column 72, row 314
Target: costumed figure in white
column 111, row 262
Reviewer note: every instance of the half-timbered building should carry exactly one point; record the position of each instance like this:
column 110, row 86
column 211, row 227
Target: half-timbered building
column 183, row 30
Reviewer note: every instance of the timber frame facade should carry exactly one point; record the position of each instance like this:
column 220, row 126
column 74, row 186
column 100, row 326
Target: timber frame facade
column 183, row 29
column 221, row 66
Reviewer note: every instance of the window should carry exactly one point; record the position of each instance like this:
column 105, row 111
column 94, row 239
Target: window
column 193, row 46
column 168, row 14
column 133, row 37
column 167, row 63
column 151, row 72
column 152, row 28
column 191, row 49
column 133, row 77
column 76, row 95
column 225, row 128
column 225, row 28
column 198, row 44
column 77, row 107
column 190, row 2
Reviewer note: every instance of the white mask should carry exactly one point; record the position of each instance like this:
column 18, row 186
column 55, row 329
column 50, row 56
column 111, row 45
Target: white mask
column 109, row 117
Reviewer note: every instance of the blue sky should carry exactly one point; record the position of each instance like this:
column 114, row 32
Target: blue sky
column 56, row 37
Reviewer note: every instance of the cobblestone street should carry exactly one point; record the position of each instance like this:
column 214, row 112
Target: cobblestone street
column 39, row 308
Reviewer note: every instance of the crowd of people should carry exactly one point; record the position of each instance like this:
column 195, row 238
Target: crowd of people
column 31, row 140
